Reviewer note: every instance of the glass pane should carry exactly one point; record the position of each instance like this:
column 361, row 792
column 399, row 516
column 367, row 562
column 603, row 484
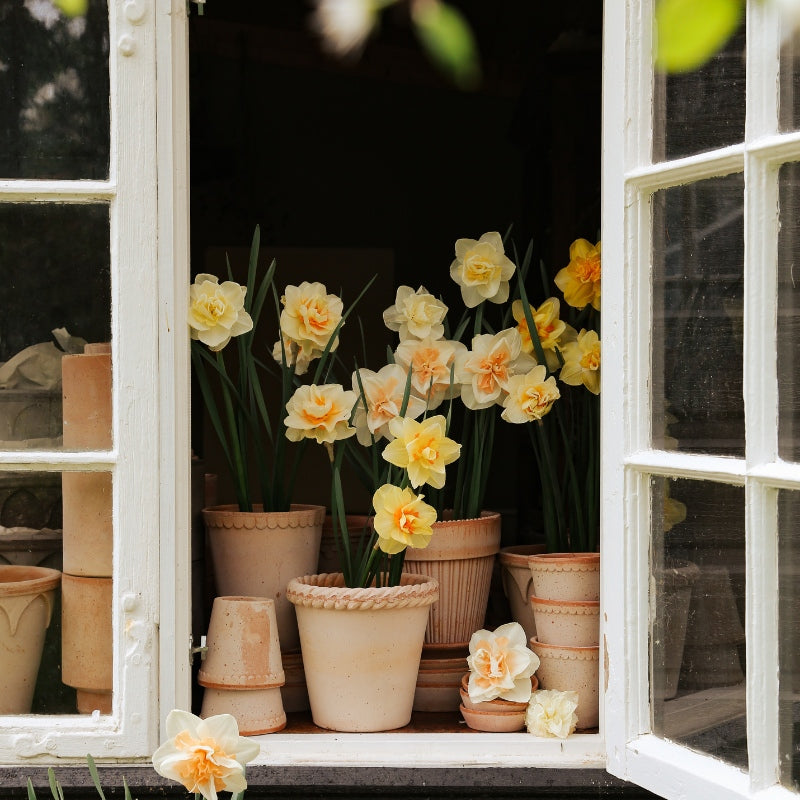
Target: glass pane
column 789, row 314
column 55, row 592
column 698, row 257
column 54, row 91
column 790, row 83
column 701, row 110
column 697, row 644
column 789, row 636
column 55, row 264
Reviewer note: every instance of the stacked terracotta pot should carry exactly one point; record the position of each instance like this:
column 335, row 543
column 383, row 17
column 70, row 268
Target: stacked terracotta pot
column 242, row 672
column 86, row 635
column 566, row 609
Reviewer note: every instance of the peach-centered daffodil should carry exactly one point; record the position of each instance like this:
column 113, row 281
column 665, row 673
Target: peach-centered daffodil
column 216, row 311
column 422, row 448
column 415, row 314
column 482, row 269
column 580, row 279
column 310, row 316
column 549, row 327
column 430, row 361
column 501, row 664
column 294, row 355
column 582, row 362
column 320, row 412
column 551, row 713
column 530, row 396
column 381, row 402
column 205, row 755
column 484, row 372
column 402, row 519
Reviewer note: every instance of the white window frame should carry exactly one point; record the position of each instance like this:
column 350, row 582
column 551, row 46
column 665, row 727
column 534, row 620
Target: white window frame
column 629, row 179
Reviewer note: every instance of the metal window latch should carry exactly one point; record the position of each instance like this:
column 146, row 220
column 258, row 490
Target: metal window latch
column 202, row 649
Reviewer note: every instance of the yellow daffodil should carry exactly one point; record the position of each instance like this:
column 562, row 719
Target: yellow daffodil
column 430, row 361
column 415, row 314
column 294, row 355
column 310, row 316
column 580, row 279
column 501, row 664
column 484, row 372
column 482, row 269
column 401, row 519
column 383, row 397
column 549, row 328
column 320, row 412
column 422, row 448
column 582, row 362
column 216, row 311
column 530, row 396
column 205, row 755
column 551, row 713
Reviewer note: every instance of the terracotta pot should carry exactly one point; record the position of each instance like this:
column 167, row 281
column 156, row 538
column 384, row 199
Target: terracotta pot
column 361, row 649
column 256, row 553
column 570, row 622
column 88, row 527
column 256, row 711
column 517, row 581
column 243, row 647
column 460, row 557
column 572, row 669
column 86, row 389
column 86, row 637
column 494, row 721
column 566, row 576
column 26, row 605
column 328, row 554
column 498, row 703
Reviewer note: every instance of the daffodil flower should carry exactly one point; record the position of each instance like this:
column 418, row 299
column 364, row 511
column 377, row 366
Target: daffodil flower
column 415, row 314
column 501, row 664
column 344, row 25
column 430, row 361
column 482, row 269
column 422, row 448
column 320, row 412
column 402, row 519
column 294, row 355
column 549, row 328
column 216, row 311
column 580, row 279
column 530, row 396
column 582, row 362
column 205, row 755
column 551, row 713
column 310, row 316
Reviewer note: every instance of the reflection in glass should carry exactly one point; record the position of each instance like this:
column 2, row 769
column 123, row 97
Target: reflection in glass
column 697, row 609
column 54, row 91
column 698, row 258
column 789, row 111
column 55, row 592
column 701, row 110
column 789, row 636
column 789, row 314
column 55, row 264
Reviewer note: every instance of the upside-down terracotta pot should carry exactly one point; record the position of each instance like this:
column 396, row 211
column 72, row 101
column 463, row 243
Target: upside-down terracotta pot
column 566, row 576
column 256, row 554
column 570, row 622
column 361, row 649
column 518, row 581
column 460, row 556
column 256, row 711
column 26, row 606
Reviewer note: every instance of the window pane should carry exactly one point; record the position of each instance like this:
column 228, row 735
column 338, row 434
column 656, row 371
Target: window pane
column 54, row 91
column 789, row 637
column 698, row 647
column 55, row 592
column 790, row 84
column 697, row 317
column 54, row 260
column 789, row 314
column 703, row 109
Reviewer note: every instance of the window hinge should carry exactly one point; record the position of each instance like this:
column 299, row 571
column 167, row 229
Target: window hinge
column 202, row 649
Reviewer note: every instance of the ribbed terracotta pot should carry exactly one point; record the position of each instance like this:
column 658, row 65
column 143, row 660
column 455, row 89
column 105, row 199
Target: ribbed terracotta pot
column 570, row 622
column 256, row 554
column 518, row 582
column 26, row 606
column 566, row 576
column 361, row 649
column 460, row 557
column 572, row 669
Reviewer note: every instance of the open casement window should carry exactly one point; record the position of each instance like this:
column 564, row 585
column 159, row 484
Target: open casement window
column 83, row 231
column 700, row 445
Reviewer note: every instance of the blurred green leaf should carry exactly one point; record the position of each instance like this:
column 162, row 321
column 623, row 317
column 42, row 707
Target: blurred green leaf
column 447, row 37
column 72, row 8
column 690, row 32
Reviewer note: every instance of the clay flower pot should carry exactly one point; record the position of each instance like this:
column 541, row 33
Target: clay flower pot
column 256, row 711
column 566, row 576
column 517, row 582
column 256, row 554
column 26, row 605
column 493, row 721
column 460, row 557
column 361, row 649
column 498, row 704
column 575, row 623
